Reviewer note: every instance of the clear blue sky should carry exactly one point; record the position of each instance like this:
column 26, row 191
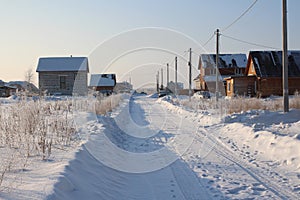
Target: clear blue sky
column 33, row 28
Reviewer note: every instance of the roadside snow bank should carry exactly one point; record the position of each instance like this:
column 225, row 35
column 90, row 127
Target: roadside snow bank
column 271, row 137
column 201, row 117
column 274, row 136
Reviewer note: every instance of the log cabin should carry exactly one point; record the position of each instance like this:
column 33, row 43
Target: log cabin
column 263, row 75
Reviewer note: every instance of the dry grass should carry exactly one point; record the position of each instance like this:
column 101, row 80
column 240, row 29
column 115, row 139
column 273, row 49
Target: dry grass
column 30, row 129
column 239, row 104
column 104, row 105
column 295, row 101
column 33, row 128
column 243, row 104
column 200, row 104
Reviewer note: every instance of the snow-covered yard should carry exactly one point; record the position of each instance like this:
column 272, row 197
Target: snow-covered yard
column 149, row 148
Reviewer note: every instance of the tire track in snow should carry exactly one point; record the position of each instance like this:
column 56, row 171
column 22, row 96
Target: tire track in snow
column 187, row 185
column 280, row 191
column 258, row 174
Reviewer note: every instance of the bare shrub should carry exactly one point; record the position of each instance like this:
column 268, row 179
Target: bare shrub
column 32, row 128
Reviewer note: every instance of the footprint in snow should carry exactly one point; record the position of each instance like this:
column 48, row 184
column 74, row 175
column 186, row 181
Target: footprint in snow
column 237, row 190
column 297, row 189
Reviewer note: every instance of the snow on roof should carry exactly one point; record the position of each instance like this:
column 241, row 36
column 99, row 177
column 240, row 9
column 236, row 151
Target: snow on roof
column 212, row 78
column 225, row 60
column 197, row 77
column 21, row 84
column 8, row 86
column 53, row 64
column 103, row 80
column 269, row 63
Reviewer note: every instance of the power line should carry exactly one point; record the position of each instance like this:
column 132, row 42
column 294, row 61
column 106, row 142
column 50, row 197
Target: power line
column 237, row 19
column 211, row 37
column 250, row 43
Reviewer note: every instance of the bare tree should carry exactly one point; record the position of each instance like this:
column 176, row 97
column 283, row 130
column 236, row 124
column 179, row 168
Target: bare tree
column 28, row 78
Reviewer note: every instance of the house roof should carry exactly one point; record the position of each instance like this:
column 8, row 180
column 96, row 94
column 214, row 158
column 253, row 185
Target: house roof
column 22, row 85
column 212, row 78
column 8, row 87
column 225, row 60
column 60, row 64
column 269, row 63
column 102, row 80
column 197, row 77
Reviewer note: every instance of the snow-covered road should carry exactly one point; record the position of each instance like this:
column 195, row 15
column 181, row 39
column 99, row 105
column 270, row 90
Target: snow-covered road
column 145, row 151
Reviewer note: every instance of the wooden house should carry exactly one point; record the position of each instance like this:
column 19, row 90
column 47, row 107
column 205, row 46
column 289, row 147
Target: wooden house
column 197, row 83
column 228, row 65
column 63, row 75
column 24, row 86
column 103, row 83
column 6, row 91
column 263, row 75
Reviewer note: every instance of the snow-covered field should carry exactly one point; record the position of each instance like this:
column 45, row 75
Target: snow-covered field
column 149, row 148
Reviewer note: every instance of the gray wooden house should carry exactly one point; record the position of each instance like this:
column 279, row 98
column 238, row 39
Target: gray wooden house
column 63, row 75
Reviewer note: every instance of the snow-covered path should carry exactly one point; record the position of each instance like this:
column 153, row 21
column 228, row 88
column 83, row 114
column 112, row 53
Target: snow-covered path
column 147, row 152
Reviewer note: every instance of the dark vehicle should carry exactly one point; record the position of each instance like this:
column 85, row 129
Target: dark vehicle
column 162, row 93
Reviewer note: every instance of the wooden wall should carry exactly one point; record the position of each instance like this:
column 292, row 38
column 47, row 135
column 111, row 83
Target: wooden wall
column 260, row 87
column 76, row 83
column 273, row 86
column 241, row 86
column 104, row 88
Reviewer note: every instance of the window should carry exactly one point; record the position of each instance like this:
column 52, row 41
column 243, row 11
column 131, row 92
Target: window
column 212, row 71
column 229, row 87
column 62, row 82
column 238, row 71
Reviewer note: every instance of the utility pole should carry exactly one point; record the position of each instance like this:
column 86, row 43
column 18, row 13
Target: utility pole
column 157, row 81
column 162, row 79
column 176, row 76
column 190, row 74
column 167, row 75
column 217, row 64
column 285, row 75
